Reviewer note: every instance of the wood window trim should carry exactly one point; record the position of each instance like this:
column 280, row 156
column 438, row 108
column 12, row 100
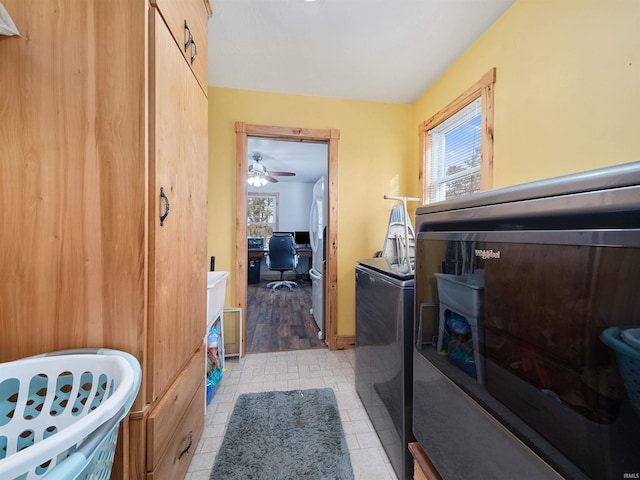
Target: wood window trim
column 330, row 137
column 483, row 89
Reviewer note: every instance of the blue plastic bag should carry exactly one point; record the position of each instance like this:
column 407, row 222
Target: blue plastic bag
column 458, row 324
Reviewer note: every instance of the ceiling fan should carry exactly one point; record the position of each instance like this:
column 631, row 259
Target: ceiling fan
column 258, row 175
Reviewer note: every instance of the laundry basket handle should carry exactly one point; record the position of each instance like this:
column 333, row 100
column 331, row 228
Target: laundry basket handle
column 72, row 351
column 74, row 464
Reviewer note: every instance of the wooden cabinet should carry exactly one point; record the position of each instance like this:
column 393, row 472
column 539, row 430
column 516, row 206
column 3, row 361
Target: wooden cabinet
column 179, row 164
column 423, row 469
column 175, row 423
column 101, row 108
column 187, row 24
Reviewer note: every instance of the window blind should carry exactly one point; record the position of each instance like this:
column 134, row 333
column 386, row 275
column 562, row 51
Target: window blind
column 455, row 154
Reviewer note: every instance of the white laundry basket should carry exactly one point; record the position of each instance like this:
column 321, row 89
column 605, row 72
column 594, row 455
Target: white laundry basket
column 60, row 413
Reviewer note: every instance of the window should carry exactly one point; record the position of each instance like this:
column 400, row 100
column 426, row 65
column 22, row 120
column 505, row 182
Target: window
column 457, row 145
column 262, row 215
column 455, row 154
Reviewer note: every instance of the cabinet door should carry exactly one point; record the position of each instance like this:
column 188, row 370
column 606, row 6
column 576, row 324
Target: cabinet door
column 187, row 21
column 178, row 166
column 72, row 177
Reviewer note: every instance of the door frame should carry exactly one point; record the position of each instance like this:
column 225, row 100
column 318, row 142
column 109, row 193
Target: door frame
column 329, row 137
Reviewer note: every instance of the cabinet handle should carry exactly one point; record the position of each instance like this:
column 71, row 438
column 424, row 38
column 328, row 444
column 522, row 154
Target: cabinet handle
column 164, row 215
column 188, row 38
column 190, row 42
column 194, row 52
column 189, row 443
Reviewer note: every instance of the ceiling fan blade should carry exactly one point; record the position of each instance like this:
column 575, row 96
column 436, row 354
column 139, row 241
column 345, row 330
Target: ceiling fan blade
column 281, row 174
column 270, row 179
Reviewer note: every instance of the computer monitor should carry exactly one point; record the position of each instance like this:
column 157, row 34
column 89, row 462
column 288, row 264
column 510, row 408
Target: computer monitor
column 255, row 243
column 301, row 238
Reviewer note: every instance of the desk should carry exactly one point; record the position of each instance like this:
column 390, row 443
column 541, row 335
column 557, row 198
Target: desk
column 261, row 252
column 257, row 252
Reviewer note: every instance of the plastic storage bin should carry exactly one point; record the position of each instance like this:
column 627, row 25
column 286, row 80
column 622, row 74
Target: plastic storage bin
column 457, row 294
column 60, row 413
column 213, row 380
column 215, row 362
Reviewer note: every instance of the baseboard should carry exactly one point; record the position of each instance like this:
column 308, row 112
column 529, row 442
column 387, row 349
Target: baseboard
column 345, row 342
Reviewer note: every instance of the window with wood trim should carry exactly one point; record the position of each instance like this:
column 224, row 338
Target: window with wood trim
column 262, row 215
column 457, row 144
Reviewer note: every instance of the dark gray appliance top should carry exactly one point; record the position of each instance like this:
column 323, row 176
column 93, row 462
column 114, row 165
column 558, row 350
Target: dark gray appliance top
column 603, row 178
column 388, row 268
column 607, row 190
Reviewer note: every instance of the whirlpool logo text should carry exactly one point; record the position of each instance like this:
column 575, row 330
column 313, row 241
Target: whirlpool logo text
column 486, row 254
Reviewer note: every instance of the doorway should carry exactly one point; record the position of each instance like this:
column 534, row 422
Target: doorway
column 284, row 179
column 328, row 137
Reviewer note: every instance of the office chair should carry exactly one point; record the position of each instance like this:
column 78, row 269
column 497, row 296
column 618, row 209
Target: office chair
column 282, row 257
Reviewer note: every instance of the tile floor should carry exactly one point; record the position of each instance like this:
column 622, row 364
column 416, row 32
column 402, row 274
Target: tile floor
column 299, row 369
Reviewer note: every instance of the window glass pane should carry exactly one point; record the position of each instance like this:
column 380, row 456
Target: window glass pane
column 462, row 147
column 462, row 186
column 262, row 214
column 455, row 147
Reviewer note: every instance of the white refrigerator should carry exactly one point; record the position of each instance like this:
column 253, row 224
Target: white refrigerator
column 317, row 222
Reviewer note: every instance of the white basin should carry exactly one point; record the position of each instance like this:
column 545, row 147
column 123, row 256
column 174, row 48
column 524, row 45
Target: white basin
column 458, row 293
column 216, row 291
column 214, row 277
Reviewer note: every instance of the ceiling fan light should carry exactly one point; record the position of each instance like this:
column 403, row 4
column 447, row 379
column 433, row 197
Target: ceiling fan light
column 256, row 180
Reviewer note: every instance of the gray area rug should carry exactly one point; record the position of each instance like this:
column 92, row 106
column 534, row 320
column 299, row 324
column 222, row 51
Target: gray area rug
column 284, row 435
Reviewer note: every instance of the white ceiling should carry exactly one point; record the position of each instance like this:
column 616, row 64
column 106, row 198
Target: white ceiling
column 376, row 50
column 372, row 50
column 309, row 161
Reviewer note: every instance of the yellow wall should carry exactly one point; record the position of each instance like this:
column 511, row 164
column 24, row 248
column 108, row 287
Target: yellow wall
column 567, row 99
column 373, row 160
column 567, row 92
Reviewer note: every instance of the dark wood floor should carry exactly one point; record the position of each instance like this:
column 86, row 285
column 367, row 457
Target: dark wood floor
column 280, row 320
